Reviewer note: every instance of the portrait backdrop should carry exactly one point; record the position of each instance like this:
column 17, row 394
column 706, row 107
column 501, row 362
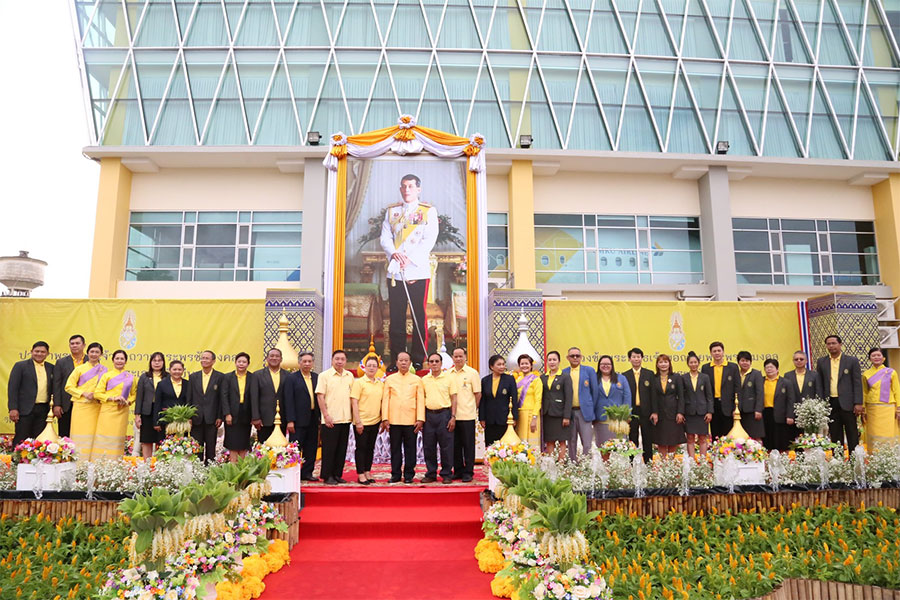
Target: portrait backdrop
column 431, row 231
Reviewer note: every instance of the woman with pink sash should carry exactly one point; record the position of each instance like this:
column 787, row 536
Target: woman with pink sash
column 529, row 397
column 85, row 407
column 882, row 401
column 116, row 392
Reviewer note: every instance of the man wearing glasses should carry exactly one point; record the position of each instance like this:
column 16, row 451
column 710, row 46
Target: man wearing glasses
column 584, row 402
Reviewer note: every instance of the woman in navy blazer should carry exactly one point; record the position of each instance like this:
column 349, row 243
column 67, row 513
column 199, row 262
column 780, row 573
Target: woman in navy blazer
column 698, row 405
column 166, row 396
column 498, row 390
column 667, row 394
column 612, row 390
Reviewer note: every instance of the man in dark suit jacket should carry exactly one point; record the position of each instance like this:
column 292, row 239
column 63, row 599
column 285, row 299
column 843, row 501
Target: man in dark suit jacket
column 62, row 401
column 724, row 389
column 841, row 381
column 29, row 393
column 302, row 413
column 639, row 381
column 268, row 388
column 812, row 385
column 207, row 390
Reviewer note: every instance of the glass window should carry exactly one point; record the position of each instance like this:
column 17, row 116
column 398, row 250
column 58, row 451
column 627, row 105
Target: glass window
column 162, row 247
column 498, row 245
column 542, row 219
column 848, row 251
column 670, row 249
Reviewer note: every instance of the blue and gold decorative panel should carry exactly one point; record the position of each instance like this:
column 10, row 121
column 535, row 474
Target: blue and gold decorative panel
column 304, row 310
column 854, row 317
column 505, row 308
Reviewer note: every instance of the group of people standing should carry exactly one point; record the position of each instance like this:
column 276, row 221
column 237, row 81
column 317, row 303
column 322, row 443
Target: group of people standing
column 558, row 408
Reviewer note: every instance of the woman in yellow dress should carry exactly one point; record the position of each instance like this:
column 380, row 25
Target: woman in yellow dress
column 882, row 401
column 85, row 407
column 530, row 394
column 116, row 392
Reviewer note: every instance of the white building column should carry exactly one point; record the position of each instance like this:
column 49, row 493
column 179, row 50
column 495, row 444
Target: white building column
column 716, row 233
column 313, row 250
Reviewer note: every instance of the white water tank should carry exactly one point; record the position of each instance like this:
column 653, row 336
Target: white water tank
column 21, row 274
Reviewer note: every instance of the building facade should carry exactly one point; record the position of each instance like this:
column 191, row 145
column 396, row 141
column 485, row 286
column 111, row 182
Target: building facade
column 637, row 149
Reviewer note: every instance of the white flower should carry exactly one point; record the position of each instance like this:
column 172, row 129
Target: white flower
column 596, row 589
column 557, row 589
column 248, row 538
column 53, row 448
column 171, row 595
column 229, row 537
column 406, row 122
column 581, row 592
column 539, row 592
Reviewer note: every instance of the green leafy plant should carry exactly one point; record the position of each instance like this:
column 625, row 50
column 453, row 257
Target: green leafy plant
column 246, row 471
column 178, row 418
column 618, row 413
column 565, row 513
column 157, row 512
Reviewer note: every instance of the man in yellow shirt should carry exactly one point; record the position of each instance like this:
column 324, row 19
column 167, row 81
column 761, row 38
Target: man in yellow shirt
column 207, row 391
column 365, row 398
column 267, row 391
column 841, row 379
column 402, row 416
column 640, row 381
column 468, row 397
column 29, row 393
column 333, row 396
column 440, row 419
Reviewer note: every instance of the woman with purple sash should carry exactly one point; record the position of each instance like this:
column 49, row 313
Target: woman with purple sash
column 85, row 407
column 882, row 401
column 116, row 392
column 529, row 397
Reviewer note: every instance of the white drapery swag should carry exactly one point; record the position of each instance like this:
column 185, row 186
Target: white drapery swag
column 419, row 143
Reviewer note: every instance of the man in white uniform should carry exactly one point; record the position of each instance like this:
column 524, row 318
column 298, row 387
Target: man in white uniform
column 408, row 234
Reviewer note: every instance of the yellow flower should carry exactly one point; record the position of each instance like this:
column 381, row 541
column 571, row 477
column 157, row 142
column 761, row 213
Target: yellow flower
column 255, row 566
column 502, row 587
column 253, row 585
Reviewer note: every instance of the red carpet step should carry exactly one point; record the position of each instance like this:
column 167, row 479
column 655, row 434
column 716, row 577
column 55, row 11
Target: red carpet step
column 385, row 543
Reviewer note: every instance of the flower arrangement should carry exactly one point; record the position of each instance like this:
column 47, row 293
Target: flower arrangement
column 47, row 452
column 217, row 554
column 461, row 269
column 279, row 458
column 177, row 447
column 129, row 445
column 813, row 415
column 619, row 446
column 249, row 526
column 521, row 452
column 138, row 583
column 744, row 450
column 808, row 441
column 580, row 582
column 178, row 419
column 618, row 419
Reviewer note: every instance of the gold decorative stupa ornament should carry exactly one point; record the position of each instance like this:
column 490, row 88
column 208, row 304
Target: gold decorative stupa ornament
column 360, row 370
column 737, row 433
column 290, row 360
column 49, row 432
column 510, row 438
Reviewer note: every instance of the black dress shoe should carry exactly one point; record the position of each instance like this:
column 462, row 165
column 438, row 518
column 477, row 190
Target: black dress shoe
column 457, row 477
column 340, row 480
column 446, row 481
column 429, row 479
column 408, row 480
column 309, row 479
column 366, row 482
column 394, row 480
column 467, row 479
column 331, row 481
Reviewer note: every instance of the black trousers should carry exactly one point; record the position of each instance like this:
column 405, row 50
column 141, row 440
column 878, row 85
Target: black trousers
column 397, row 331
column 308, row 439
column 334, row 449
column 403, row 445
column 365, row 447
column 643, row 426
column 32, row 424
column 436, row 436
column 843, row 422
column 771, row 436
column 492, row 433
column 205, row 434
column 464, row 449
column 64, row 423
column 721, row 423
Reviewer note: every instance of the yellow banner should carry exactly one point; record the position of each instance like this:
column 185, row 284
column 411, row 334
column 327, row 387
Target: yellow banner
column 180, row 329
column 765, row 329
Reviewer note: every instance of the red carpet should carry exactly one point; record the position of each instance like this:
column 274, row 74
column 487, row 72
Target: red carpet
column 382, row 475
column 385, row 543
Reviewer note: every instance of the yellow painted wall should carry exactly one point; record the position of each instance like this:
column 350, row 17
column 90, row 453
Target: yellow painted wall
column 111, row 228
column 800, row 199
column 886, row 201
column 217, row 189
column 521, row 224
column 611, row 193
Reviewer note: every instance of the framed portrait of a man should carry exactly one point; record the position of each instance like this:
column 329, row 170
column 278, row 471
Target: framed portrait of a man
column 405, row 258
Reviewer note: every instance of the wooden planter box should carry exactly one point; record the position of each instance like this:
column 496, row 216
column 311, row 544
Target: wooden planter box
column 808, row 589
column 289, row 508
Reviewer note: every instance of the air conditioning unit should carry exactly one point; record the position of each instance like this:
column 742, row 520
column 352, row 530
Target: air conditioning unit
column 886, row 310
column 888, row 337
